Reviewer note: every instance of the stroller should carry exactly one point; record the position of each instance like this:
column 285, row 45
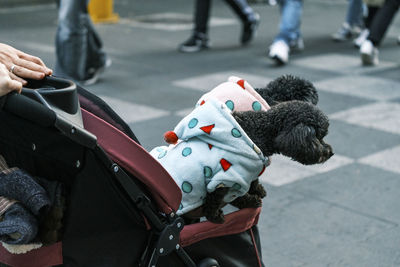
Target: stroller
column 121, row 202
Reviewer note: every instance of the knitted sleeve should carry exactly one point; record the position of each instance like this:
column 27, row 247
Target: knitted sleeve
column 5, row 203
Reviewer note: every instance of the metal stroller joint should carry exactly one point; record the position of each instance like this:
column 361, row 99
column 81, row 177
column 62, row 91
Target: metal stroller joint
column 167, row 228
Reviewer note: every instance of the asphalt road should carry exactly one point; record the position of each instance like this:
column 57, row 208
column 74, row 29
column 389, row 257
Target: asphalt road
column 343, row 213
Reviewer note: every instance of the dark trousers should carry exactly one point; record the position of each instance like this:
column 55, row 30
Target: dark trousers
column 372, row 10
column 202, row 12
column 382, row 21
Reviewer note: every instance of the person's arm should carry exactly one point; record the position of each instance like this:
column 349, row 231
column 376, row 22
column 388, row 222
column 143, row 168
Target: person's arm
column 6, row 83
column 22, row 65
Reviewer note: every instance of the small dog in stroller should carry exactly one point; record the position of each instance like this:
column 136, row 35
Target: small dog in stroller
column 218, row 151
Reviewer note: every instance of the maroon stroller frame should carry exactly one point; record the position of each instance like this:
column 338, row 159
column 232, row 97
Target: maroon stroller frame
column 121, row 202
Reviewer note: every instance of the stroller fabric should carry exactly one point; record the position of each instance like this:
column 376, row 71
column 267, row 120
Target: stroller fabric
column 101, row 225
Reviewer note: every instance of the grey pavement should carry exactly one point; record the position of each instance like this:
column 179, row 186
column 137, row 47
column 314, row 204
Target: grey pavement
column 343, row 213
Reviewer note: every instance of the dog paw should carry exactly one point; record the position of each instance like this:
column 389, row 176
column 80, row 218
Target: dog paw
column 217, row 218
column 254, row 202
column 257, row 189
column 260, row 191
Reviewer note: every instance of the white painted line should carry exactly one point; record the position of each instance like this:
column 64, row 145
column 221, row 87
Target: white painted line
column 27, row 8
column 387, row 159
column 284, row 171
column 131, row 112
column 115, row 52
column 50, row 49
column 179, row 21
column 336, row 161
column 155, row 26
column 184, row 112
column 39, row 47
column 392, row 33
column 207, row 82
column 383, row 116
column 361, row 86
column 328, row 4
column 341, row 63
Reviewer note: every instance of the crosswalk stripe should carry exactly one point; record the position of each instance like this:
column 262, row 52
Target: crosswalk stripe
column 387, row 159
column 183, row 112
column 171, row 21
column 284, row 171
column 131, row 112
column 361, row 86
column 207, row 82
column 383, row 116
column 340, row 63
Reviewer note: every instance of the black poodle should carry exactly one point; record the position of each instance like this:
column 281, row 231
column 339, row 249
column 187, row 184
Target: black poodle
column 294, row 128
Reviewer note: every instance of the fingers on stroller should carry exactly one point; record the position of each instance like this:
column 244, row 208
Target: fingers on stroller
column 120, row 202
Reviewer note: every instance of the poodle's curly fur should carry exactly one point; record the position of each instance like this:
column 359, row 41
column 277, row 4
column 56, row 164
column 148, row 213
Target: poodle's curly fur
column 287, row 88
column 293, row 127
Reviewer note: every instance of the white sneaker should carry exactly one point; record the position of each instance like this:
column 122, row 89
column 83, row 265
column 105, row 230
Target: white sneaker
column 369, row 54
column 279, row 52
column 344, row 33
column 361, row 38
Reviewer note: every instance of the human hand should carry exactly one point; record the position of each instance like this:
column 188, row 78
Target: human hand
column 22, row 65
column 6, row 83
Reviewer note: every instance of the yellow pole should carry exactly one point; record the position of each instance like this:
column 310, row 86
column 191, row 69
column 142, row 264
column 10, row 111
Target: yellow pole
column 101, row 11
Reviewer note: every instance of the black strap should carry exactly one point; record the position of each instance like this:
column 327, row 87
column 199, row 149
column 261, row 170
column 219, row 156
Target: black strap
column 3, row 100
column 29, row 109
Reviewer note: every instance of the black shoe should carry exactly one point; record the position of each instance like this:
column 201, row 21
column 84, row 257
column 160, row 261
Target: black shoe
column 198, row 41
column 250, row 29
column 95, row 73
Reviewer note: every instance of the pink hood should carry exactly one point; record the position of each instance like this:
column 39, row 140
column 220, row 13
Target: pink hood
column 237, row 94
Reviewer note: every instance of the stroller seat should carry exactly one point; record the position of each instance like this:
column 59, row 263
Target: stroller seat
column 122, row 202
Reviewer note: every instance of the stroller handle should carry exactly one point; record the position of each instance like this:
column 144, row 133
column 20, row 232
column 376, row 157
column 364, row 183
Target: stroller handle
column 52, row 102
column 29, row 109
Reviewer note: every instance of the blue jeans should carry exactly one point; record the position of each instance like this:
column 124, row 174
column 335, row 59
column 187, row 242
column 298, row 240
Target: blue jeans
column 78, row 46
column 354, row 14
column 289, row 28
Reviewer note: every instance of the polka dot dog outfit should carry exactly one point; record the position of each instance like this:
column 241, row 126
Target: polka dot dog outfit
column 213, row 151
column 238, row 95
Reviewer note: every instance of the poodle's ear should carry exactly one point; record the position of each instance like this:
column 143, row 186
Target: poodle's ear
column 287, row 88
column 267, row 95
column 301, row 144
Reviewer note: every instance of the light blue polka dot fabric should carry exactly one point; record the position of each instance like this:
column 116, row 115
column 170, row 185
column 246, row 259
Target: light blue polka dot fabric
column 213, row 151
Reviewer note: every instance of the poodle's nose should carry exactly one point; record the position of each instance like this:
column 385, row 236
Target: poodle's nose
column 328, row 151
